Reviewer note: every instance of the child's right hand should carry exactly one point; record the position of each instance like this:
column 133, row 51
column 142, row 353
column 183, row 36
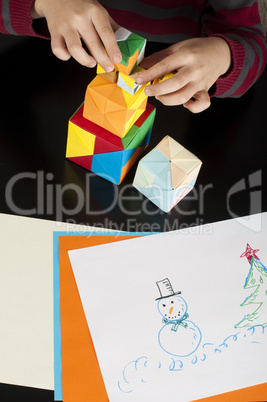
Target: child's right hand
column 70, row 21
column 197, row 63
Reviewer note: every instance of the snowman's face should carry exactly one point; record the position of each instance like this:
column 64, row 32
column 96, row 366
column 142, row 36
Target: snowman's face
column 173, row 307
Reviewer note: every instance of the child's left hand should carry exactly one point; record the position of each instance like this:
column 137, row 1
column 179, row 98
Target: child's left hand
column 197, row 63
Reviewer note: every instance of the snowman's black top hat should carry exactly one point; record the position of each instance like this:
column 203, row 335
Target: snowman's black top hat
column 165, row 289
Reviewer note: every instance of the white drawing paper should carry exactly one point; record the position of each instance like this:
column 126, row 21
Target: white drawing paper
column 179, row 315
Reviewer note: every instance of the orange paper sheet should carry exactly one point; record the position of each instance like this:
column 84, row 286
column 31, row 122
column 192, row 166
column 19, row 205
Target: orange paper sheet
column 81, row 376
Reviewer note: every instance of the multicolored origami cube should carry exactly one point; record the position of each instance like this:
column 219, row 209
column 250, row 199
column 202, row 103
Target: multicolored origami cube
column 111, row 107
column 165, row 77
column 127, row 82
column 132, row 49
column 97, row 149
column 167, row 173
column 112, row 76
column 111, row 129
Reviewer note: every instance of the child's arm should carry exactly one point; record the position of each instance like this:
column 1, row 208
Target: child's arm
column 238, row 25
column 15, row 18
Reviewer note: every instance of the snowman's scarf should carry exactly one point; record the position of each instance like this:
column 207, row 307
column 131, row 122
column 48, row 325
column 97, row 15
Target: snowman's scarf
column 176, row 323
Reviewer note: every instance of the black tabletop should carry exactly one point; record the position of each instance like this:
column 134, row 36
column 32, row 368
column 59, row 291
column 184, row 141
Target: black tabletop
column 39, row 94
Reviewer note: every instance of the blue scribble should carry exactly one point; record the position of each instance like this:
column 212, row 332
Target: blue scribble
column 179, row 336
column 135, row 365
column 256, row 327
column 133, row 372
column 231, row 337
column 180, row 345
column 126, row 392
column 137, row 361
column 207, row 344
column 194, row 360
column 172, row 366
column 252, row 329
column 123, row 373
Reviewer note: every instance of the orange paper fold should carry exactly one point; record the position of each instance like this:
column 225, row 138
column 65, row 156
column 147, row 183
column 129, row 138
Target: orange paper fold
column 111, row 107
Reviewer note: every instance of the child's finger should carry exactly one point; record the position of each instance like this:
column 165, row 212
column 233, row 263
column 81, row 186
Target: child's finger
column 154, row 58
column 59, row 47
column 96, row 48
column 107, row 36
column 180, row 97
column 165, row 66
column 74, row 46
column 200, row 102
column 173, row 84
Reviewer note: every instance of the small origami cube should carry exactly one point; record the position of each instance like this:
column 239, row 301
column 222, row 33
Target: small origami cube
column 132, row 49
column 104, row 153
column 167, row 173
column 165, row 77
column 112, row 76
column 111, row 107
column 127, row 82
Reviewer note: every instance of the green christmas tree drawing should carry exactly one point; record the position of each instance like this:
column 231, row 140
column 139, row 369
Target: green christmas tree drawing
column 257, row 282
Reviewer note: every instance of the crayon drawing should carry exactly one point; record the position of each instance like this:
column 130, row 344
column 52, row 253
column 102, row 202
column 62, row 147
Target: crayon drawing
column 175, row 309
column 257, row 282
column 179, row 336
column 139, row 372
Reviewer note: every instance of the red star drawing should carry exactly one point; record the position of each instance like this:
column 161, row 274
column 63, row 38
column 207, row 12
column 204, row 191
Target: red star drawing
column 250, row 253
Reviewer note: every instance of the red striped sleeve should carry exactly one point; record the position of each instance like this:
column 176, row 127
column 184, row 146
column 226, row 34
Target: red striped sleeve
column 20, row 17
column 244, row 34
column 16, row 19
column 2, row 23
column 141, row 23
column 225, row 83
column 174, row 3
column 229, row 20
column 254, row 72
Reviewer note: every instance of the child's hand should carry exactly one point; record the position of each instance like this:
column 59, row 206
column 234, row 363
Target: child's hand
column 198, row 64
column 70, row 21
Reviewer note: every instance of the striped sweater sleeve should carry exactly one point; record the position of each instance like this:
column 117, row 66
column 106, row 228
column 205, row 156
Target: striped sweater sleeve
column 15, row 19
column 238, row 22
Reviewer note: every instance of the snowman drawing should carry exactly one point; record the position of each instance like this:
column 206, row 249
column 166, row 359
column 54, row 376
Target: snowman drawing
column 179, row 336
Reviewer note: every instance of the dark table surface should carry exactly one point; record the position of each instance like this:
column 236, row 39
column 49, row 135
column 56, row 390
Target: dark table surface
column 39, row 93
